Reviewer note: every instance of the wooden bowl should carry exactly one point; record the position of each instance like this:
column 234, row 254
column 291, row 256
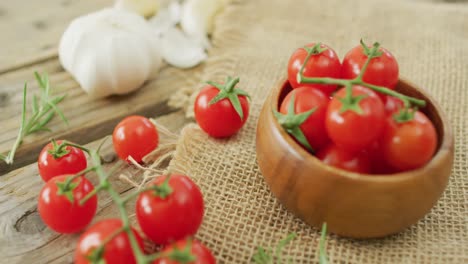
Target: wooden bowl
column 353, row 205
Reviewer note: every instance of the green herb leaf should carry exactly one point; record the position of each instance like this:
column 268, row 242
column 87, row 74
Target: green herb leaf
column 265, row 256
column 323, row 259
column 41, row 114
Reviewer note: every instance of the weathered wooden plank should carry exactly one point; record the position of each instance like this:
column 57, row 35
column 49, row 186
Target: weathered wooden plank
column 31, row 29
column 24, row 238
column 89, row 119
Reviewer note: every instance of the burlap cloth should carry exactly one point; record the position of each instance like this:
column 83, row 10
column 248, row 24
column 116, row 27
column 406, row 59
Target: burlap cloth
column 253, row 40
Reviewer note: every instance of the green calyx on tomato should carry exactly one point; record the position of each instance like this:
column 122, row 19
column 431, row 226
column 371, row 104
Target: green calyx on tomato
column 314, row 50
column 405, row 115
column 372, row 52
column 182, row 255
column 58, row 149
column 291, row 122
column 227, row 91
column 66, row 188
column 351, row 103
column 96, row 256
column 162, row 190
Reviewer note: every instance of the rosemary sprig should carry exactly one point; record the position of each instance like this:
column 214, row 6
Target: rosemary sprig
column 43, row 108
column 266, row 256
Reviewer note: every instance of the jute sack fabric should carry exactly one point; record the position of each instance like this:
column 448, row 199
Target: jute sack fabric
column 253, row 40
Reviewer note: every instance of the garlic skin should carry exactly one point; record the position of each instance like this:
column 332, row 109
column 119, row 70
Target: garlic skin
column 110, row 52
column 198, row 15
column 145, row 8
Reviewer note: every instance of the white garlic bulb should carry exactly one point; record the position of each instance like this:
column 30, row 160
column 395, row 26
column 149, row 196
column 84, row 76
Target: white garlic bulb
column 145, row 8
column 110, row 52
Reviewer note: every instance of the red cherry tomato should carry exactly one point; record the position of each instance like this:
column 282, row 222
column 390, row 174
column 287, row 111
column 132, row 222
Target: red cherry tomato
column 337, row 157
column 411, row 144
column 220, row 119
column 135, row 136
column 71, row 163
column 353, row 131
column 378, row 163
column 117, row 251
column 174, row 217
column 305, row 99
column 382, row 71
column 324, row 64
column 202, row 254
column 59, row 213
column 393, row 104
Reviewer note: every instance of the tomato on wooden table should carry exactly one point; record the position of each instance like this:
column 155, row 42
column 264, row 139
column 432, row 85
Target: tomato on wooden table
column 135, row 136
column 59, row 206
column 200, row 253
column 305, row 99
column 381, row 71
column 173, row 213
column 54, row 162
column 351, row 161
column 354, row 125
column 409, row 144
column 118, row 250
column 323, row 62
column 221, row 109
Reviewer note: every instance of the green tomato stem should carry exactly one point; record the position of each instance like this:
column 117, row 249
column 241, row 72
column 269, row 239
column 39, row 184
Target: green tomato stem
column 140, row 256
column 358, row 81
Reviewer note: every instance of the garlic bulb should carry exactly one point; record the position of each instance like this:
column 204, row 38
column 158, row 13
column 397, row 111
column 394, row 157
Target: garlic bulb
column 197, row 16
column 110, row 52
column 145, row 8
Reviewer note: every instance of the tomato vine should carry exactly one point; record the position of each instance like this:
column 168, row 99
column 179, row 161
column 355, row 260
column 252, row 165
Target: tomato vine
column 163, row 190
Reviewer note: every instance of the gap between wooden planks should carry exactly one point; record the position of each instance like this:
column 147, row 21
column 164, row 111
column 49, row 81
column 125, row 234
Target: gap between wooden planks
column 31, row 32
column 89, row 119
column 24, row 238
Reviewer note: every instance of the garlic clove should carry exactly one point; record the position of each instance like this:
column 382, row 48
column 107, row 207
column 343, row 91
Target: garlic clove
column 198, row 15
column 166, row 18
column 180, row 50
column 145, row 8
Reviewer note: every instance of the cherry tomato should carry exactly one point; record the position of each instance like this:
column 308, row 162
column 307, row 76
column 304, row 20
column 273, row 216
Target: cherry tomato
column 173, row 217
column 411, row 144
column 135, row 136
column 378, row 162
column 71, row 163
column 393, row 104
column 117, row 251
column 305, row 99
column 382, row 71
column 220, row 119
column 59, row 213
column 337, row 157
column 324, row 64
column 351, row 130
column 202, row 254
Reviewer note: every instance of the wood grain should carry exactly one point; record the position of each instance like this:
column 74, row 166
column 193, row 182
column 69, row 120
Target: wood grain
column 90, row 119
column 353, row 205
column 25, row 239
column 31, row 29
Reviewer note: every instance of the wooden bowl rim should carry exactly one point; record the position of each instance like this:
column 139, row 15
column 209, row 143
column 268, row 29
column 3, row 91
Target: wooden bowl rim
column 447, row 142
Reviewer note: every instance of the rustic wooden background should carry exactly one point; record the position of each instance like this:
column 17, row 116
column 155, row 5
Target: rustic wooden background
column 30, row 32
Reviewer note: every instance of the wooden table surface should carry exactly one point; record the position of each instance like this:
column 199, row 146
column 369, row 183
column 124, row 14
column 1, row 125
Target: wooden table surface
column 30, row 34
